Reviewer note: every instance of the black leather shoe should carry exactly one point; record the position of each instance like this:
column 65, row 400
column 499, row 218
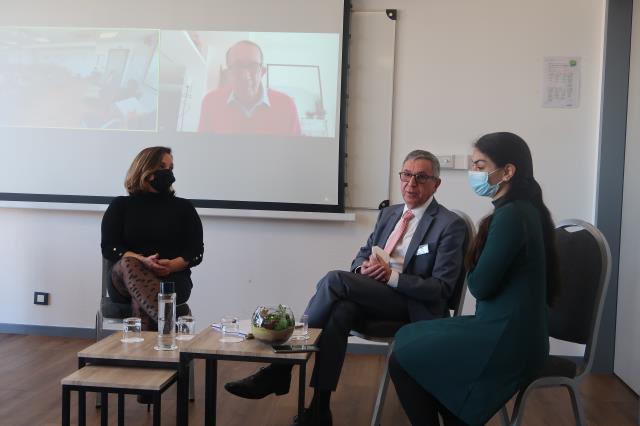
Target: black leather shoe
column 266, row 381
column 313, row 417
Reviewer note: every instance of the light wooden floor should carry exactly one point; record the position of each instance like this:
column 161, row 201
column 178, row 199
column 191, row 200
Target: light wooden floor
column 30, row 394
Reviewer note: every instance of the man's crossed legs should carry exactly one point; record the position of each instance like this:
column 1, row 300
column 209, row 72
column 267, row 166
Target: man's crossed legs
column 342, row 299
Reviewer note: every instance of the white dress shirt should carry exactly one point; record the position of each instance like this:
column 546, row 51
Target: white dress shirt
column 396, row 261
column 249, row 111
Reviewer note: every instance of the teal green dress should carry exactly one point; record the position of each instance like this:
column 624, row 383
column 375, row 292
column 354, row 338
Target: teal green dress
column 474, row 364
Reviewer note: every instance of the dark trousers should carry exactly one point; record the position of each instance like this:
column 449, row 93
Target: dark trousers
column 341, row 300
column 421, row 407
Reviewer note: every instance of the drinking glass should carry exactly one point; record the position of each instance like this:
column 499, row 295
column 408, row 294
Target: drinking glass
column 132, row 330
column 186, row 328
column 302, row 331
column 230, row 330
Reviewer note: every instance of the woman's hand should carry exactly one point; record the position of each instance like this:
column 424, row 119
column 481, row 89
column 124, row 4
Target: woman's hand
column 173, row 265
column 160, row 267
column 153, row 264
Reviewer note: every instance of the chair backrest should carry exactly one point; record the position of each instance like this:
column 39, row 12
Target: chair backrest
column 106, row 277
column 584, row 263
column 111, row 306
column 456, row 302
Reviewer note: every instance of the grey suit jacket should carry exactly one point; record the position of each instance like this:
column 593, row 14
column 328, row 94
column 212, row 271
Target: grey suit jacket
column 428, row 280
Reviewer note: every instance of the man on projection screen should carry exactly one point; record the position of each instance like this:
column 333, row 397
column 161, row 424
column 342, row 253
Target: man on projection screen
column 246, row 106
column 408, row 270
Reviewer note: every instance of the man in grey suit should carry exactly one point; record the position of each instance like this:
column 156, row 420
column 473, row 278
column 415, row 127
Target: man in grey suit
column 424, row 245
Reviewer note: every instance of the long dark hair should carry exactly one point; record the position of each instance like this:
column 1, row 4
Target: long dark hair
column 507, row 148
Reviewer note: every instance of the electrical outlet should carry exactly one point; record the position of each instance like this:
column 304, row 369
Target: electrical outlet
column 40, row 298
column 446, row 161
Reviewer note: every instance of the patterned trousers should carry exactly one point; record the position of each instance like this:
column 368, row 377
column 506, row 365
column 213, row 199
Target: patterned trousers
column 133, row 280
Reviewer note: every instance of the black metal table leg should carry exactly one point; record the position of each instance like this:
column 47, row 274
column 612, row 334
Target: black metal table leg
column 66, row 406
column 301, row 389
column 82, row 408
column 120, row 409
column 104, row 411
column 182, row 412
column 210, row 391
column 157, row 408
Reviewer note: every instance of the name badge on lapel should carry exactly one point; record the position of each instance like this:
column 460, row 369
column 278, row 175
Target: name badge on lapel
column 423, row 249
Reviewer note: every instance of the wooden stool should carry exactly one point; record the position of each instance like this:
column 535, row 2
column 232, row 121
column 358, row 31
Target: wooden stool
column 119, row 380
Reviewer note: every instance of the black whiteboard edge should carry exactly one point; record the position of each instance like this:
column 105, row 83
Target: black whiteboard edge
column 202, row 211
column 253, row 205
column 92, row 203
column 392, row 14
column 54, row 198
column 344, row 90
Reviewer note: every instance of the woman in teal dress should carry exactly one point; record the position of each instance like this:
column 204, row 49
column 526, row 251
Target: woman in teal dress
column 466, row 368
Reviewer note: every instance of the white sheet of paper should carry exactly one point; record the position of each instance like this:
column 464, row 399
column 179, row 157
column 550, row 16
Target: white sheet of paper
column 125, row 106
column 381, row 253
column 244, row 326
column 561, row 82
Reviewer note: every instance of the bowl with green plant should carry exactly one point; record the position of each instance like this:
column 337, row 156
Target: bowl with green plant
column 271, row 324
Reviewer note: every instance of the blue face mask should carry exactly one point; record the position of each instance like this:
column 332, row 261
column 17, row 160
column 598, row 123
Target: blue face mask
column 479, row 182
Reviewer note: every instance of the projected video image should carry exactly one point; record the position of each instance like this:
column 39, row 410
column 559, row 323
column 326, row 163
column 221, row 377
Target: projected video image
column 79, row 78
column 252, row 83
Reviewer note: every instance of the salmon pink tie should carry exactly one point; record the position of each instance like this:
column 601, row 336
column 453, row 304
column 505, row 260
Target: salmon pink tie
column 398, row 231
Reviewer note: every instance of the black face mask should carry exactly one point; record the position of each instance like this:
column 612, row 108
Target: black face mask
column 162, row 180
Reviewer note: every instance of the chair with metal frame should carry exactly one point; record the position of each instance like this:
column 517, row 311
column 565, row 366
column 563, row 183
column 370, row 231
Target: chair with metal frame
column 584, row 260
column 113, row 312
column 385, row 331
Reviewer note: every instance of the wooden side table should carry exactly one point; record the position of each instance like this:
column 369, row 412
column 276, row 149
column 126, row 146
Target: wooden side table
column 112, row 352
column 206, row 345
column 118, row 380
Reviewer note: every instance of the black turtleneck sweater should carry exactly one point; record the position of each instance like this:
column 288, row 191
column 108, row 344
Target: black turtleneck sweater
column 152, row 223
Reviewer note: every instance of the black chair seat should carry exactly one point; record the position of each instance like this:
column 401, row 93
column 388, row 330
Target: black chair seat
column 379, row 329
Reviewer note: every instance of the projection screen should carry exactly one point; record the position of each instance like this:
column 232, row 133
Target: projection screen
column 248, row 94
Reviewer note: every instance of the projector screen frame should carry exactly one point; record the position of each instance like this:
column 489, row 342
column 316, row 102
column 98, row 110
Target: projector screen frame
column 234, row 204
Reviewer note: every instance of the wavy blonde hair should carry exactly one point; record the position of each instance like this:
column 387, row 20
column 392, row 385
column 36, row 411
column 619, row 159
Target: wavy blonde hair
column 146, row 163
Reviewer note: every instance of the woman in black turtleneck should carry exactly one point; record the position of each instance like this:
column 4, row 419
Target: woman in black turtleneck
column 152, row 235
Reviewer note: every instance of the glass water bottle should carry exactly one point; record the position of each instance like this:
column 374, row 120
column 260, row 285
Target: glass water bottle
column 166, row 317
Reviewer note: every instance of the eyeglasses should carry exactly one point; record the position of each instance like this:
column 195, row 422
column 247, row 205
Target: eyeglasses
column 252, row 67
column 420, row 177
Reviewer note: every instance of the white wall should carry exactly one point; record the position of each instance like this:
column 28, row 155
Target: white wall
column 463, row 68
column 247, row 262
column 628, row 316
